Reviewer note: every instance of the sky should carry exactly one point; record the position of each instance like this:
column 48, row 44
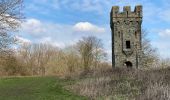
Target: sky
column 64, row 22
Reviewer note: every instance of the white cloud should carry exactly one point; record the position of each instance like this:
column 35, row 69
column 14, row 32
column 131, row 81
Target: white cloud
column 49, row 40
column 33, row 27
column 165, row 33
column 37, row 28
column 163, row 47
column 88, row 27
column 81, row 5
column 22, row 40
column 33, row 22
column 163, row 43
column 58, row 34
column 97, row 6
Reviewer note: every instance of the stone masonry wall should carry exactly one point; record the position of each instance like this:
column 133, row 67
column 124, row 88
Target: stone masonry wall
column 126, row 36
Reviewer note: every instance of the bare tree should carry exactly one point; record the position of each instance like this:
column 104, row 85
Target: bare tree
column 36, row 57
column 98, row 53
column 72, row 58
column 71, row 61
column 150, row 55
column 10, row 18
column 44, row 52
column 164, row 63
column 26, row 58
column 88, row 49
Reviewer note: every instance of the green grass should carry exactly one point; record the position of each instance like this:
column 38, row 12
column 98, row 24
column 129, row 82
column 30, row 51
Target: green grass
column 36, row 88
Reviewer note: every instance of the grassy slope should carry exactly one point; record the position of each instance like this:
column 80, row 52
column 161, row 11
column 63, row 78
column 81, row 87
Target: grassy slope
column 125, row 84
column 35, row 88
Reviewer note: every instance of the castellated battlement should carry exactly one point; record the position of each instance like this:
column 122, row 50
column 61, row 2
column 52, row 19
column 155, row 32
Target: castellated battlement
column 126, row 36
column 137, row 13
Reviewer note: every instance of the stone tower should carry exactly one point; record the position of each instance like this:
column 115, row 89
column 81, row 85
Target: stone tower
column 126, row 36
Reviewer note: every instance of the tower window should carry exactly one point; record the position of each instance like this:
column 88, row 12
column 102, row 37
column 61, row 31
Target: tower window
column 116, row 13
column 139, row 13
column 127, row 13
column 119, row 34
column 135, row 34
column 127, row 44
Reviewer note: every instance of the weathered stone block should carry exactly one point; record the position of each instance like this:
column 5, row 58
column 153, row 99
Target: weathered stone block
column 126, row 36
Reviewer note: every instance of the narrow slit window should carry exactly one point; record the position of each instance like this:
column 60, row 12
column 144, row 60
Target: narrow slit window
column 116, row 13
column 127, row 13
column 119, row 34
column 127, row 44
column 138, row 13
column 135, row 34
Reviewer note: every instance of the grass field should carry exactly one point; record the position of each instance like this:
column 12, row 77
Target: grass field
column 124, row 84
column 108, row 84
column 36, row 88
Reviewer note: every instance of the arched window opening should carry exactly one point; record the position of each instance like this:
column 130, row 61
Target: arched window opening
column 128, row 64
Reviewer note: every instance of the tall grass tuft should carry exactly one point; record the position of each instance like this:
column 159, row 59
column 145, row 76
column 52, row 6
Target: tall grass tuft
column 124, row 84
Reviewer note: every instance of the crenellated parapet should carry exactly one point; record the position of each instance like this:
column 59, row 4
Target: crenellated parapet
column 137, row 13
column 126, row 36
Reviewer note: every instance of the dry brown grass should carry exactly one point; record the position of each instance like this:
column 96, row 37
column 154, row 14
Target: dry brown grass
column 124, row 84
